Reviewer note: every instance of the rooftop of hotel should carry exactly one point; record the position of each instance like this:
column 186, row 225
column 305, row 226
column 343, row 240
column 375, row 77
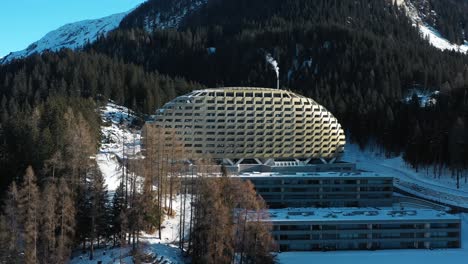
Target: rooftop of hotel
column 357, row 214
column 222, row 90
column 353, row 174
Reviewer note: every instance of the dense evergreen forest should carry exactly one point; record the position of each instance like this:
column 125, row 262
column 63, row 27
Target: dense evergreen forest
column 38, row 92
column 361, row 59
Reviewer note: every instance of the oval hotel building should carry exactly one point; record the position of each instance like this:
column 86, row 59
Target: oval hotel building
column 263, row 125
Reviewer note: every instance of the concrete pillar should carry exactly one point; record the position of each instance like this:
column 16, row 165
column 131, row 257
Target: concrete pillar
column 239, row 162
column 228, row 161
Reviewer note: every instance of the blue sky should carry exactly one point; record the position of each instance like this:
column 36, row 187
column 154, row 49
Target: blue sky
column 23, row 22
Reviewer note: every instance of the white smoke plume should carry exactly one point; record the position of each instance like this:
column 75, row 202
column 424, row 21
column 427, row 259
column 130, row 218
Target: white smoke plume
column 274, row 64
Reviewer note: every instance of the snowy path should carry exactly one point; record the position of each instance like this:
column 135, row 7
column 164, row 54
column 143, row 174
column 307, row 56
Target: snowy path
column 407, row 179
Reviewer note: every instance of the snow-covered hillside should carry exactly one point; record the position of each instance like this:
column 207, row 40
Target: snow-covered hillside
column 73, row 36
column 421, row 183
column 428, row 32
column 121, row 140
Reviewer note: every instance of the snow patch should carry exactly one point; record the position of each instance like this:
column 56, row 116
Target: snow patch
column 425, row 97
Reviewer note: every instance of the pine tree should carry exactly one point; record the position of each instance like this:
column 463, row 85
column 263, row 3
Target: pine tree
column 118, row 205
column 99, row 208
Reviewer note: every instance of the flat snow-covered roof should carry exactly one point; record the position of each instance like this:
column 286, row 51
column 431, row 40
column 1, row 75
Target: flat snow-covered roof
column 357, row 214
column 357, row 174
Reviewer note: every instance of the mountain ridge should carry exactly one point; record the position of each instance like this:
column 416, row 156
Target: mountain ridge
column 72, row 35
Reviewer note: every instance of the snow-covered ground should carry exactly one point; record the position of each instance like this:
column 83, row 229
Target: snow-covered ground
column 164, row 250
column 419, row 183
column 72, row 36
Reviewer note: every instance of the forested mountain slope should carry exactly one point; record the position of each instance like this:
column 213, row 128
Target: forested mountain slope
column 43, row 97
column 361, row 59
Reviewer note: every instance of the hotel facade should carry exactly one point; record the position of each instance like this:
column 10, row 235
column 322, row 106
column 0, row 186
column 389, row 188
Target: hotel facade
column 290, row 147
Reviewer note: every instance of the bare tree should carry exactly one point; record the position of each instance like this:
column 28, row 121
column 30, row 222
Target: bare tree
column 48, row 223
column 12, row 223
column 29, row 211
column 66, row 222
